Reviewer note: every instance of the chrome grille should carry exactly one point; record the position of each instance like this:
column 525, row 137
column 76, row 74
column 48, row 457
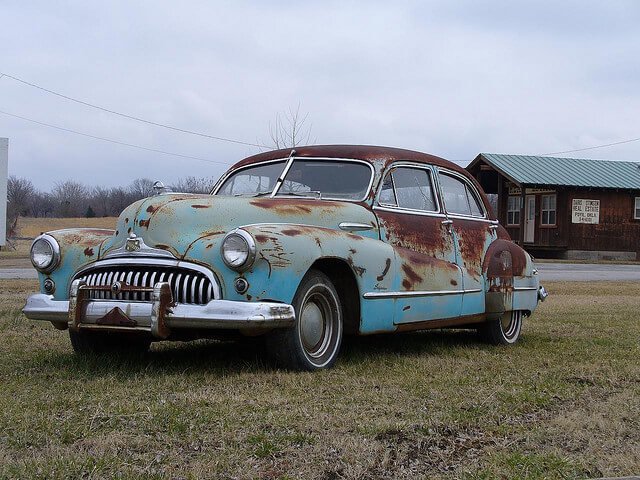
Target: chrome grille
column 187, row 285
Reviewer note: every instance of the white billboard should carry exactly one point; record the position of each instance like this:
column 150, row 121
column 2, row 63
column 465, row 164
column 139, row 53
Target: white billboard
column 4, row 174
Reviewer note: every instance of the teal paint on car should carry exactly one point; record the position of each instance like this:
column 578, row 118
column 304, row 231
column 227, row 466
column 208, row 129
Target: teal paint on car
column 300, row 247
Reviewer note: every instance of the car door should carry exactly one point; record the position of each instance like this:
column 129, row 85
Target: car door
column 428, row 281
column 473, row 233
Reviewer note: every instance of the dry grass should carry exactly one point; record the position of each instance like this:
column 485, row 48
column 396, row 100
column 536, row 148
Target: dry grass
column 32, row 227
column 561, row 404
column 29, row 228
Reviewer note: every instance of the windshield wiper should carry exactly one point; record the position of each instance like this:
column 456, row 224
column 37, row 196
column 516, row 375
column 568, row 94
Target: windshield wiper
column 256, row 194
column 315, row 193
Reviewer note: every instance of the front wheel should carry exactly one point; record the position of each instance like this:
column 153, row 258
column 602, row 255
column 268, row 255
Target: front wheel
column 314, row 341
column 505, row 330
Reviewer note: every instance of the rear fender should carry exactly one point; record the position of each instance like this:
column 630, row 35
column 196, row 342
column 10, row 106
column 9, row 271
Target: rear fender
column 510, row 279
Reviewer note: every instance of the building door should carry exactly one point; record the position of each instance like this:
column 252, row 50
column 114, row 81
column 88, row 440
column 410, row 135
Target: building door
column 530, row 219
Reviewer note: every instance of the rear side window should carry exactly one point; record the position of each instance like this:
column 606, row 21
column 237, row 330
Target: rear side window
column 409, row 188
column 458, row 197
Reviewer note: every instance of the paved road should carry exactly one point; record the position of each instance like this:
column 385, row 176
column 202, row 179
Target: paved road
column 586, row 272
column 548, row 271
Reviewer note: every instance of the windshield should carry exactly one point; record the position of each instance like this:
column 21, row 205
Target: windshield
column 336, row 179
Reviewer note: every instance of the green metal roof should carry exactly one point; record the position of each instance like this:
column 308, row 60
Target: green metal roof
column 581, row 172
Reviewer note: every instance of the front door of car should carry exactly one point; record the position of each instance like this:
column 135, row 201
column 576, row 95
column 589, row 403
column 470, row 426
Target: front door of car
column 473, row 231
column 428, row 281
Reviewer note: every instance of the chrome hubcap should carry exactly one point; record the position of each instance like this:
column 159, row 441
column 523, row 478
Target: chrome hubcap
column 511, row 323
column 317, row 325
column 311, row 325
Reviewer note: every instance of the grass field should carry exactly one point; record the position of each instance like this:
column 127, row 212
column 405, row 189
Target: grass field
column 564, row 403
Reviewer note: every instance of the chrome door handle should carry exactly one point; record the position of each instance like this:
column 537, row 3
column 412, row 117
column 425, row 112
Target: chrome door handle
column 493, row 227
column 355, row 227
column 447, row 223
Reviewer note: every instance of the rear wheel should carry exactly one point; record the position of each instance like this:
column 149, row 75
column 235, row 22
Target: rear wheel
column 505, row 330
column 96, row 343
column 314, row 341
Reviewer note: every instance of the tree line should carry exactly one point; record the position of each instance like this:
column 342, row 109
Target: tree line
column 74, row 199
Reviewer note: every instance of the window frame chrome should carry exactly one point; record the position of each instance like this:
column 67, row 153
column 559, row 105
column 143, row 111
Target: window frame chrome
column 468, row 184
column 396, row 209
column 285, row 171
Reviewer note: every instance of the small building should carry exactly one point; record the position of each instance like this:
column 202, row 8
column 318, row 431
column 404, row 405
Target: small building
column 565, row 207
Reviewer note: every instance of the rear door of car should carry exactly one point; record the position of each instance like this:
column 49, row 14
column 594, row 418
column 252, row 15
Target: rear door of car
column 428, row 282
column 473, row 233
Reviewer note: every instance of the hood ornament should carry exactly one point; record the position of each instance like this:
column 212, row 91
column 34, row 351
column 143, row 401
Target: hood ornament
column 133, row 243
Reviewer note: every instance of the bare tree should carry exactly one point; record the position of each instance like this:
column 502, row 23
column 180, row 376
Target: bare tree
column 42, row 205
column 20, row 193
column 141, row 188
column 194, row 185
column 289, row 129
column 70, row 198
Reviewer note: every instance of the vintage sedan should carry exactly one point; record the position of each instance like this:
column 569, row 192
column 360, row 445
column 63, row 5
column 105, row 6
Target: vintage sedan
column 300, row 246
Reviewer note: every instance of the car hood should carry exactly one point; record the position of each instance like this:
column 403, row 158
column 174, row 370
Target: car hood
column 174, row 222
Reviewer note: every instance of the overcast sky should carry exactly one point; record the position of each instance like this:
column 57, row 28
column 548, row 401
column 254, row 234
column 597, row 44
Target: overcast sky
column 449, row 78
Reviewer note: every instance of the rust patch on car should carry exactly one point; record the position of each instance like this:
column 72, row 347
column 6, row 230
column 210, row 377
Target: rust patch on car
column 162, row 246
column 282, row 206
column 152, row 209
column 144, row 223
column 126, row 220
column 454, row 282
column 88, row 252
column 406, row 307
column 353, row 251
column 291, row 232
column 411, row 277
column 387, row 266
column 360, row 271
column 200, row 206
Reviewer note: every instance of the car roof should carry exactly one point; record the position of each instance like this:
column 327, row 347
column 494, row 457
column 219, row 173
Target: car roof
column 377, row 156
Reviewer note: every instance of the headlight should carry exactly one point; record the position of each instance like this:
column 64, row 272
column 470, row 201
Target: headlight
column 45, row 253
column 238, row 250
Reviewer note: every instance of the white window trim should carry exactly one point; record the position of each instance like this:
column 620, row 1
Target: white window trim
column 517, row 210
column 636, row 209
column 542, row 210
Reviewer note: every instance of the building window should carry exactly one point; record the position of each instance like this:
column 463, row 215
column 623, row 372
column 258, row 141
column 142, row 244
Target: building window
column 637, row 209
column 548, row 210
column 513, row 211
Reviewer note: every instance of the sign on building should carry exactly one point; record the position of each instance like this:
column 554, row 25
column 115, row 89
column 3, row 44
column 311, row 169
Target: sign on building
column 585, row 211
column 4, row 174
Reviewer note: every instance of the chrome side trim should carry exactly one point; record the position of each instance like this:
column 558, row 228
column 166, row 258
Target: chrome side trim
column 153, row 261
column 524, row 289
column 419, row 293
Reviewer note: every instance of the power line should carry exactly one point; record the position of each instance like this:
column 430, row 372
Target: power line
column 131, row 117
column 117, row 142
column 593, row 148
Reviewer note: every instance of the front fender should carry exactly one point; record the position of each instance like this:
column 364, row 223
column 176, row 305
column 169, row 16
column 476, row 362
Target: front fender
column 78, row 247
column 284, row 254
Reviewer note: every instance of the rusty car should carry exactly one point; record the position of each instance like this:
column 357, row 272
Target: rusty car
column 300, row 246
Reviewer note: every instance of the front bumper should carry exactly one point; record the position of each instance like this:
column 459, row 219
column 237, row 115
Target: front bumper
column 158, row 317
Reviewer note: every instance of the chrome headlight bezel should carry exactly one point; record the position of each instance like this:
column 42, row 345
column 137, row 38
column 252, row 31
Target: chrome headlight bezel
column 54, row 259
column 248, row 245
